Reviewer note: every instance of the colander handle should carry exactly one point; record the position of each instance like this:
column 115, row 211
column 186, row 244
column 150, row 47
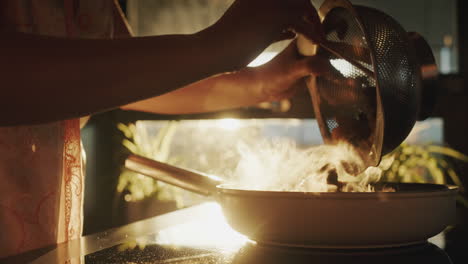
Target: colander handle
column 308, row 48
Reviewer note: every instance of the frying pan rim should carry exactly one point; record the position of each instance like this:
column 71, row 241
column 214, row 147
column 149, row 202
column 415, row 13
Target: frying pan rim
column 446, row 190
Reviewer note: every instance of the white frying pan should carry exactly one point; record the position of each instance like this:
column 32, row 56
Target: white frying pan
column 411, row 215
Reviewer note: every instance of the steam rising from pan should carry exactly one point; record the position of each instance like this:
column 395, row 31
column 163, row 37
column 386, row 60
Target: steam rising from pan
column 280, row 165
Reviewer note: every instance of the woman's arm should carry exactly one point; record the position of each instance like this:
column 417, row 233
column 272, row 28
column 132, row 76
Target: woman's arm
column 275, row 80
column 223, row 91
column 47, row 79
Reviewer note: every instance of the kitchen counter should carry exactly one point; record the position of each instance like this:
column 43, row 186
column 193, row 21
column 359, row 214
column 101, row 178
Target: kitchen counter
column 200, row 234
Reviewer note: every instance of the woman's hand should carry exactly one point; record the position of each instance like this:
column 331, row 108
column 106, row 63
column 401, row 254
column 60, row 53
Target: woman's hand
column 249, row 26
column 275, row 80
column 283, row 75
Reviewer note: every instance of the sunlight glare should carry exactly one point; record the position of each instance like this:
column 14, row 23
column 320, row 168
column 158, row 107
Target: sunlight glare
column 211, row 231
column 346, row 68
column 229, row 124
column 263, row 58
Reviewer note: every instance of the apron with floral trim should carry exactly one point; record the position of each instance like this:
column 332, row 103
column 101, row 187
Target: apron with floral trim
column 41, row 179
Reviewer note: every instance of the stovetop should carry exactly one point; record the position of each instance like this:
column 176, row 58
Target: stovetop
column 257, row 254
column 201, row 235
column 250, row 254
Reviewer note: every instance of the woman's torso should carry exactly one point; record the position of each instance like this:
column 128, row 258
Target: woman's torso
column 41, row 183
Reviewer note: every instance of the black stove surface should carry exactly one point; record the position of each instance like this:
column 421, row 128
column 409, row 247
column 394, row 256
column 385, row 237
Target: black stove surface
column 259, row 254
column 210, row 240
column 200, row 234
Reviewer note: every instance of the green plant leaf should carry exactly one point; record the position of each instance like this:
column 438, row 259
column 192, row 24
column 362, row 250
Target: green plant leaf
column 448, row 152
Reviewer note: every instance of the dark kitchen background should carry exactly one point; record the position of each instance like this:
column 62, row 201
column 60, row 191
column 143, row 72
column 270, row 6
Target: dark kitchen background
column 115, row 197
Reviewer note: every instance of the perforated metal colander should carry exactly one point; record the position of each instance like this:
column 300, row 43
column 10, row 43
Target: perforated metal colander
column 374, row 112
